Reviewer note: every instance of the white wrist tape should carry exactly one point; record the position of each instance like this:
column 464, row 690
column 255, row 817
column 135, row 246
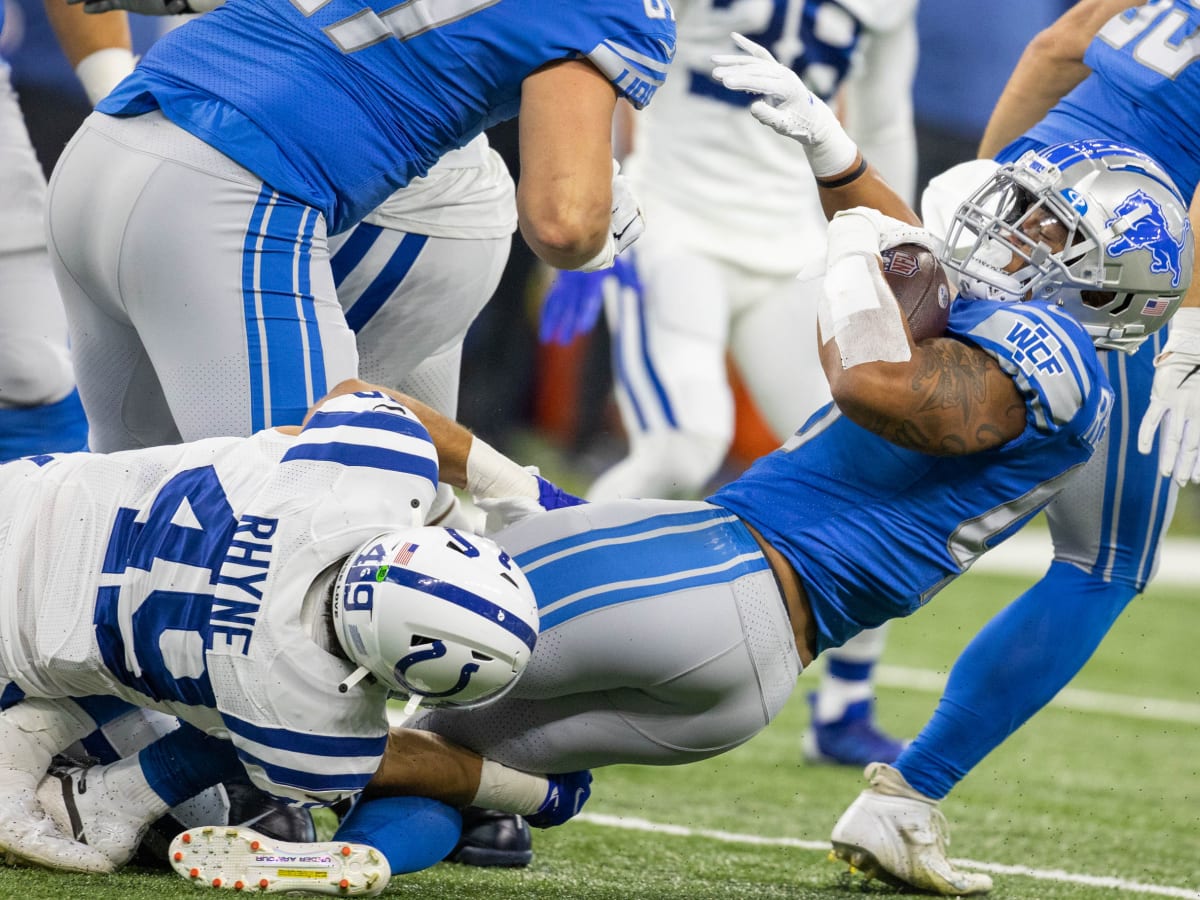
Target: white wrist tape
column 203, row 6
column 834, row 153
column 492, row 474
column 858, row 310
column 103, row 70
column 604, row 258
column 509, row 790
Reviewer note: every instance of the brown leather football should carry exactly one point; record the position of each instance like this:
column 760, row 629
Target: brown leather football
column 921, row 288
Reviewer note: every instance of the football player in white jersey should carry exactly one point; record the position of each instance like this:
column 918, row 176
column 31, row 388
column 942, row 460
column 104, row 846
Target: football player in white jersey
column 201, row 581
column 410, row 279
column 735, row 215
column 39, row 406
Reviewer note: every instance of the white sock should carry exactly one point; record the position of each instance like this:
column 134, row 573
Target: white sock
column 510, row 790
column 125, row 780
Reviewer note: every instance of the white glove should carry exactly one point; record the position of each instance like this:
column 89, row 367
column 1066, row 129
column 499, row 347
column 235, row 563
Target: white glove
column 626, row 225
column 504, row 511
column 876, row 233
column 1175, row 401
column 787, row 106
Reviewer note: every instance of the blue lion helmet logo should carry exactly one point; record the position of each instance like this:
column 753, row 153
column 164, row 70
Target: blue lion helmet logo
column 1149, row 232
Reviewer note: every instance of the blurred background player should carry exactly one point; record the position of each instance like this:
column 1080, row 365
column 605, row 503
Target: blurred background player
column 40, row 410
column 735, row 216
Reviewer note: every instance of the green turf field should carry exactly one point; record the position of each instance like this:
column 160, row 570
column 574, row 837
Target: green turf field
column 1084, row 802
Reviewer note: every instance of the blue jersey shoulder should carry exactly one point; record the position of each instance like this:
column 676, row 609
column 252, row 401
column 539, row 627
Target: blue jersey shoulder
column 1050, row 357
column 1145, row 79
column 338, row 103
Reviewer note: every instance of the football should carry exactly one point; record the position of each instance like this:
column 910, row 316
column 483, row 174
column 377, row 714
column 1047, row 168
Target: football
column 921, row 288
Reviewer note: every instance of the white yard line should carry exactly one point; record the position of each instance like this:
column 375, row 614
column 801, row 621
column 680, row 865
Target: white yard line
column 1028, row 553
column 1068, row 698
column 635, row 824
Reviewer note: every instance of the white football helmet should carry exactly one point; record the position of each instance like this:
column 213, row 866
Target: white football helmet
column 436, row 615
column 1126, row 246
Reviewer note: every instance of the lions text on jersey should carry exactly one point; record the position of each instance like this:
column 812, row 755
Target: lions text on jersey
column 186, row 579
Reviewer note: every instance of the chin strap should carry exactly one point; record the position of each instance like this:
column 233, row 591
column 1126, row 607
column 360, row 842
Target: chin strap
column 397, row 720
column 353, row 678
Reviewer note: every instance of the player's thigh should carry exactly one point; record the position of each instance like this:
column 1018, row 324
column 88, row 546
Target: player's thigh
column 669, row 343
column 1110, row 518
column 238, row 313
column 646, row 653
column 118, row 385
column 410, row 296
column 774, row 345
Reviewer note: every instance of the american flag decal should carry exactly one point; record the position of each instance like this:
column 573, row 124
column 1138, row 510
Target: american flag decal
column 1156, row 306
column 405, row 554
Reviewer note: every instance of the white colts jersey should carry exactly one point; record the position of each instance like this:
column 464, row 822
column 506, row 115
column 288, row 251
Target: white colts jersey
column 711, row 175
column 179, row 578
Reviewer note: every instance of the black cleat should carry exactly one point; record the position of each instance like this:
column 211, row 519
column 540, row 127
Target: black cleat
column 493, row 838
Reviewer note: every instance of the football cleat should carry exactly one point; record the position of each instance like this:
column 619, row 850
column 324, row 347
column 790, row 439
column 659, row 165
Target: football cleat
column 239, row 859
column 79, row 802
column 893, row 833
column 27, row 833
column 493, row 838
column 852, row 740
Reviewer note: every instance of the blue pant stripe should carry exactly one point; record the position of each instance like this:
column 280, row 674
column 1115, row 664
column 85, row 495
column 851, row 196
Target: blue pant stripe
column 358, row 242
column 255, row 343
column 308, row 314
column 281, row 306
column 386, row 282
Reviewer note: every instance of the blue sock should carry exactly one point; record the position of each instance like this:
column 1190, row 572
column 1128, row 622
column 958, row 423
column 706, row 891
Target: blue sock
column 184, row 762
column 102, row 710
column 1023, row 657
column 54, row 428
column 414, row 833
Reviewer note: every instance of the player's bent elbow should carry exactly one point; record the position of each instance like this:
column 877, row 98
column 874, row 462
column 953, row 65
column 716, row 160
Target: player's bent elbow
column 565, row 235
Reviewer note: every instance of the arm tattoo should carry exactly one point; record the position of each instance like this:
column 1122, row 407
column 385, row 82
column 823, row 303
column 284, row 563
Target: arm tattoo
column 960, row 402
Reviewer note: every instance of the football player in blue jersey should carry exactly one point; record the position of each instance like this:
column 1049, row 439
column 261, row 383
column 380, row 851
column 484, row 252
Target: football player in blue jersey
column 961, row 438
column 259, row 130
column 715, row 278
column 1136, row 82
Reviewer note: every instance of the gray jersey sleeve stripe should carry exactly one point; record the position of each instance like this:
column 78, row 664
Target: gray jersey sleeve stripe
column 1033, row 347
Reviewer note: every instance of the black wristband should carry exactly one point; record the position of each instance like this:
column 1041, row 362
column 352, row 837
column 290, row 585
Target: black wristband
column 845, row 179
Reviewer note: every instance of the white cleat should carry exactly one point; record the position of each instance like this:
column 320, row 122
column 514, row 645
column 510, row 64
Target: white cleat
column 893, row 833
column 243, row 860
column 28, row 835
column 79, row 802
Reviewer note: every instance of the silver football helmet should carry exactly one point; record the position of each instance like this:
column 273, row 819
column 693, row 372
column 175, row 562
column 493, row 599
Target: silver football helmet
column 1096, row 227
column 435, row 614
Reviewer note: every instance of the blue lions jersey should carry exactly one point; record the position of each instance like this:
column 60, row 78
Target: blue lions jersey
column 340, row 103
column 1144, row 89
column 874, row 530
